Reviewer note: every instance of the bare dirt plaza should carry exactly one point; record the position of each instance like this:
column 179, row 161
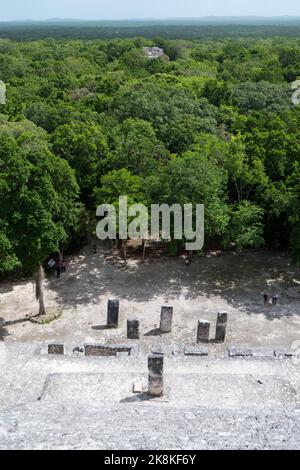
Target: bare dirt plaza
column 233, row 282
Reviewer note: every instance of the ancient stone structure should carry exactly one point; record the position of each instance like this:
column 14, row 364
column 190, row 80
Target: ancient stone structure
column 209, row 403
column 203, row 331
column 155, row 377
column 153, row 52
column 56, row 348
column 221, row 327
column 239, row 352
column 166, row 318
column 105, row 350
column 133, row 329
column 195, row 351
column 113, row 313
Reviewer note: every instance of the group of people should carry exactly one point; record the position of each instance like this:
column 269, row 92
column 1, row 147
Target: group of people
column 271, row 299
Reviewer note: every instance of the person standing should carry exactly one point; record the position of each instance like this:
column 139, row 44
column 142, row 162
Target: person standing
column 266, row 298
column 63, row 267
column 59, row 264
column 58, row 271
column 275, row 298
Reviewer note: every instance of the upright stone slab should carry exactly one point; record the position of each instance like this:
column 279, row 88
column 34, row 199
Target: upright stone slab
column 56, row 349
column 166, row 319
column 133, row 329
column 155, row 377
column 203, row 331
column 221, row 327
column 113, row 313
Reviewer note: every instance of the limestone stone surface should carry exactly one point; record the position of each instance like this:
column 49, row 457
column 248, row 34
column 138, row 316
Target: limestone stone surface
column 105, row 350
column 240, row 352
column 203, row 331
column 221, row 327
column 133, row 329
column 113, row 313
column 195, row 351
column 155, row 375
column 166, row 318
column 56, row 349
column 88, row 402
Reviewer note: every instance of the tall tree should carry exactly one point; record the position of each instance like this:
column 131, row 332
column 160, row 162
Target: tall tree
column 38, row 194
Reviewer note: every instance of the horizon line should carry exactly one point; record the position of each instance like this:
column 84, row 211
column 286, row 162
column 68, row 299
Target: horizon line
column 194, row 18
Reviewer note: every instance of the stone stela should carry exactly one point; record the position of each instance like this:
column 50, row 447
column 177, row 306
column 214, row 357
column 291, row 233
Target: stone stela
column 113, row 313
column 155, row 375
column 221, row 327
column 133, row 329
column 203, row 331
column 166, row 318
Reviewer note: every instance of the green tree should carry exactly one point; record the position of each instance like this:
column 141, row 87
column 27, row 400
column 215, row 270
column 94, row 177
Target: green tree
column 38, row 194
column 136, row 148
column 245, row 228
column 119, row 183
column 84, row 146
column 194, row 179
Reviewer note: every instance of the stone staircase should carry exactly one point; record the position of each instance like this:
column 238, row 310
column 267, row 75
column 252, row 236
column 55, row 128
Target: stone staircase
column 74, row 401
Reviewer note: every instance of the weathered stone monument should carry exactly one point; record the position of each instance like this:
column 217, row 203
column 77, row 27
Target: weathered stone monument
column 153, row 52
column 133, row 329
column 113, row 313
column 166, row 318
column 203, row 331
column 56, row 349
column 155, row 375
column 221, row 327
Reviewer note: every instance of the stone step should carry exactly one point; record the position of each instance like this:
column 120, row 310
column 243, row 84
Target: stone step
column 210, row 382
column 211, row 391
column 48, row 425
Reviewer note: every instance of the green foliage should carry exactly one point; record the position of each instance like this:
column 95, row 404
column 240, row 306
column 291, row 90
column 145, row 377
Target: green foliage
column 120, row 183
column 136, row 148
column 194, row 178
column 212, row 123
column 250, row 96
column 84, row 146
column 245, row 228
column 38, row 192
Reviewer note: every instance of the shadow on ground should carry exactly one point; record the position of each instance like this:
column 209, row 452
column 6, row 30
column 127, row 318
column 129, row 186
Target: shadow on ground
column 240, row 279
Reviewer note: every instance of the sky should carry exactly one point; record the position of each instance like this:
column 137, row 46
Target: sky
column 130, row 9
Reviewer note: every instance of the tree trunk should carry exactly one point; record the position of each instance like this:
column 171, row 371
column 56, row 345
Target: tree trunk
column 144, row 243
column 39, row 294
column 125, row 252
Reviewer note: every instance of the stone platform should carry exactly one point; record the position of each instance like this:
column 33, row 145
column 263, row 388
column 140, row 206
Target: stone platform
column 75, row 401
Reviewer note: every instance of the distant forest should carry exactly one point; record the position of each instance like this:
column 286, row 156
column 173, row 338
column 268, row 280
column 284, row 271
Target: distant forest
column 175, row 29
